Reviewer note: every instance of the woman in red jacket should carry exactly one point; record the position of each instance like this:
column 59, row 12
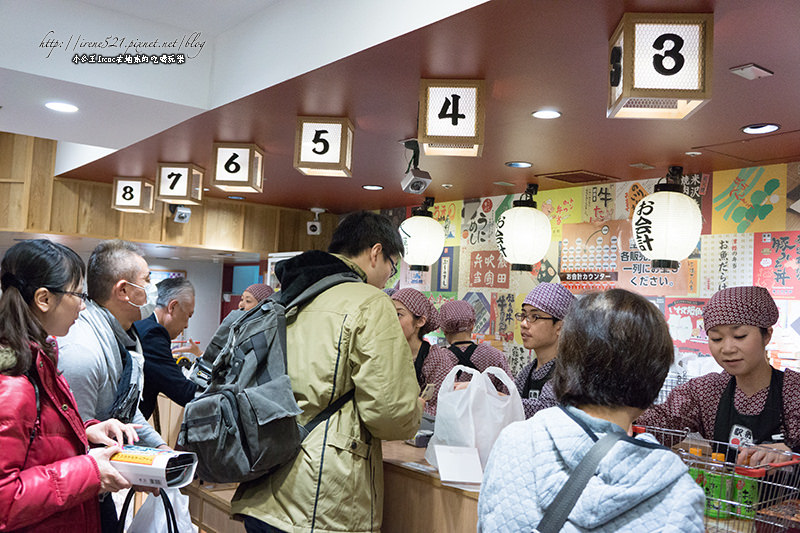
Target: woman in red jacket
column 49, row 479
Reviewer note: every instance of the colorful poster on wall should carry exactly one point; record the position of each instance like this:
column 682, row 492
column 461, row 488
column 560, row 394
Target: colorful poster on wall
column 517, row 356
column 449, row 216
column 488, row 269
column 503, row 316
column 415, row 279
column 726, row 261
column 776, row 263
column 749, row 200
column 698, row 187
column 685, row 320
column 784, row 348
column 598, row 203
column 483, row 311
column 478, row 221
column 562, row 206
column 445, row 277
column 628, row 194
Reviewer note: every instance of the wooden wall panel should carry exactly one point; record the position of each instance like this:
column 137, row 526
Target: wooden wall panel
column 141, row 226
column 12, row 209
column 64, row 211
column 40, row 184
column 292, row 231
column 260, row 229
column 95, row 216
column 189, row 234
column 224, row 224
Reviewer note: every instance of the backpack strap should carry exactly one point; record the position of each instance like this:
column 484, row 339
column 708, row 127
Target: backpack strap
column 464, row 357
column 328, row 411
column 38, row 415
column 321, row 286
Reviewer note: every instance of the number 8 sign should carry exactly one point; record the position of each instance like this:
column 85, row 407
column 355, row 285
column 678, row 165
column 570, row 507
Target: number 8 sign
column 133, row 195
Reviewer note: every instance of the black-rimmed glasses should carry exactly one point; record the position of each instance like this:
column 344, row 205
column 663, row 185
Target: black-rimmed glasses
column 82, row 295
column 394, row 267
column 533, row 317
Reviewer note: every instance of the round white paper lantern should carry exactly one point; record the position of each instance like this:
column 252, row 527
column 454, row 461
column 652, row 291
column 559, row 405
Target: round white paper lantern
column 423, row 240
column 523, row 235
column 667, row 226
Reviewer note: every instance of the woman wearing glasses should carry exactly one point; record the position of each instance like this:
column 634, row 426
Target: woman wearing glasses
column 541, row 319
column 48, row 481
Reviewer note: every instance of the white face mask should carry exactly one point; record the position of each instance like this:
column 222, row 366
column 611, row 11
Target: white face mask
column 147, row 308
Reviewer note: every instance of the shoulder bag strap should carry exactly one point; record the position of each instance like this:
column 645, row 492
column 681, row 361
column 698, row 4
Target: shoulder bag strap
column 328, row 411
column 30, row 377
column 556, row 515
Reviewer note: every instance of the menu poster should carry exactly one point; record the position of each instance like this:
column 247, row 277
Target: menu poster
column 562, row 206
column 726, row 261
column 488, row 269
column 598, row 203
column 685, row 320
column 449, row 216
column 628, row 194
column 749, row 200
column 776, row 263
column 503, row 316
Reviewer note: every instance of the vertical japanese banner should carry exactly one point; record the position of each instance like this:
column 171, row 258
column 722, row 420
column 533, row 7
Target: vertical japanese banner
column 483, row 310
column 445, row 277
column 698, row 187
column 749, row 200
column 776, row 263
column 726, row 261
column 478, row 221
column 628, row 194
column 503, row 316
column 449, row 216
column 685, row 320
column 598, row 203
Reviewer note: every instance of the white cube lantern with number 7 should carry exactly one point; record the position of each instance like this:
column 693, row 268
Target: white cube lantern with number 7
column 133, row 195
column 666, row 226
column 660, row 65
column 238, row 167
column 179, row 183
column 451, row 117
column 324, row 146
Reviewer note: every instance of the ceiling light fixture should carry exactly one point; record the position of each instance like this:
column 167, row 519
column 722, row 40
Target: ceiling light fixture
column 504, row 184
column 693, row 153
column 61, row 107
column 761, row 128
column 235, row 197
column 523, row 233
column 372, row 187
column 751, row 71
column 518, row 164
column 423, row 237
column 546, row 114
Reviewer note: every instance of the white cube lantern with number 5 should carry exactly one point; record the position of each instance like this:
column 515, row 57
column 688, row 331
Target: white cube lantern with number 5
column 179, row 183
column 238, row 167
column 133, row 195
column 324, row 146
column 451, row 117
column 660, row 65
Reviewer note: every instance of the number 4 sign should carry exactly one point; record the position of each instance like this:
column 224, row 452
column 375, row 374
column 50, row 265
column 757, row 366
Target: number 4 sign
column 451, row 117
column 324, row 146
column 179, row 183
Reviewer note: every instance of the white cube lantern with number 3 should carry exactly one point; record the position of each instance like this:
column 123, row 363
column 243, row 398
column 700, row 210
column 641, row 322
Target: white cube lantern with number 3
column 324, row 146
column 238, row 167
column 451, row 117
column 133, row 195
column 179, row 183
column 660, row 65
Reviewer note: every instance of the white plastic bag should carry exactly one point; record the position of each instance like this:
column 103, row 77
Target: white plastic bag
column 474, row 416
column 151, row 517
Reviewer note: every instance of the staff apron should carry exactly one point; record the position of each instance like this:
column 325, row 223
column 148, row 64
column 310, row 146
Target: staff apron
column 533, row 387
column 737, row 429
column 424, row 349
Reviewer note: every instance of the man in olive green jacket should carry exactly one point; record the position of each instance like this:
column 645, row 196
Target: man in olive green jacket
column 347, row 338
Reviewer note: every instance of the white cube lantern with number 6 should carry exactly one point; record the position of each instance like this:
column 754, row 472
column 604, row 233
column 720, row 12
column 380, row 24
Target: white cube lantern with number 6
column 133, row 195
column 660, row 65
column 666, row 226
column 324, row 146
column 451, row 117
column 238, row 167
column 179, row 183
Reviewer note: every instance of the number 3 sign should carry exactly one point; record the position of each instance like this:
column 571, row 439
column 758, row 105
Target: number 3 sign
column 660, row 65
column 324, row 146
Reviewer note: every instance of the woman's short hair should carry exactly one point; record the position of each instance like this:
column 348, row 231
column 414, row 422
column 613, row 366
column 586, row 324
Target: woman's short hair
column 615, row 350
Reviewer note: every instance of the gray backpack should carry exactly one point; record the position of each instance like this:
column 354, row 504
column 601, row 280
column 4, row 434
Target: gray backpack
column 243, row 426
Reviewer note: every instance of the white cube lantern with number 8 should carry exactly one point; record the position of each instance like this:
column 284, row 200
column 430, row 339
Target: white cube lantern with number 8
column 451, row 117
column 660, row 65
column 179, row 183
column 324, row 146
column 238, row 167
column 133, row 195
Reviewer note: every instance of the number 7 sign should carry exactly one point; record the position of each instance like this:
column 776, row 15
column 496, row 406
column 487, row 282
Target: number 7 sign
column 179, row 183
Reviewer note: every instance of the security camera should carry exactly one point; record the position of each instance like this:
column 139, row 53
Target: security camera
column 313, row 227
column 416, row 181
column 182, row 214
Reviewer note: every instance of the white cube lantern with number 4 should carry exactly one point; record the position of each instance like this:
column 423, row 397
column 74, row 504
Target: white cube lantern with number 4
column 133, row 195
column 179, row 183
column 660, row 65
column 451, row 117
column 324, row 146
column 238, row 167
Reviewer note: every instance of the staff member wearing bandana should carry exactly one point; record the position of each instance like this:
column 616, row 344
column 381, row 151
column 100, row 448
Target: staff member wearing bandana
column 542, row 316
column 749, row 402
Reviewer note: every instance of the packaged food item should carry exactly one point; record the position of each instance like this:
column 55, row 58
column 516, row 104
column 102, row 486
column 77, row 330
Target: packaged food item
column 152, row 467
column 718, row 487
column 745, row 493
column 780, row 518
column 696, row 468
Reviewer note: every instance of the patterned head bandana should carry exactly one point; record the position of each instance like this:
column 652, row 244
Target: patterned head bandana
column 552, row 298
column 419, row 306
column 260, row 291
column 749, row 306
column 456, row 316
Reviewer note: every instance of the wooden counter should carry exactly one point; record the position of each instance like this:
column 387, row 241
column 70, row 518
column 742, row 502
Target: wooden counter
column 210, row 507
column 415, row 498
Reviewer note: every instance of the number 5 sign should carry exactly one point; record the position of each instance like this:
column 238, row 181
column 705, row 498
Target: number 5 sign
column 324, row 146
column 179, row 183
column 451, row 117
column 660, row 65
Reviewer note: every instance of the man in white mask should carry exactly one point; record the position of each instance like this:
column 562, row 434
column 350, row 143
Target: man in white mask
column 101, row 355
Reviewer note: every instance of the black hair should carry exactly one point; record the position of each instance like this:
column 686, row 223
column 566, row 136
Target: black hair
column 361, row 230
column 26, row 267
column 110, row 262
column 615, row 350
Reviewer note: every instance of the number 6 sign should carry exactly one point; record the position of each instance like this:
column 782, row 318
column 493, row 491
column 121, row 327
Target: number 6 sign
column 660, row 65
column 324, row 146
column 238, row 167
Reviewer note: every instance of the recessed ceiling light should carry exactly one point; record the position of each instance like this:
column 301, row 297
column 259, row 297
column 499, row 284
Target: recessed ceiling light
column 447, row 185
column 236, row 197
column 643, row 166
column 761, row 128
column 694, row 154
column 546, row 113
column 61, row 107
column 372, row 187
column 751, row 71
column 504, row 184
column 206, row 189
column 518, row 164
